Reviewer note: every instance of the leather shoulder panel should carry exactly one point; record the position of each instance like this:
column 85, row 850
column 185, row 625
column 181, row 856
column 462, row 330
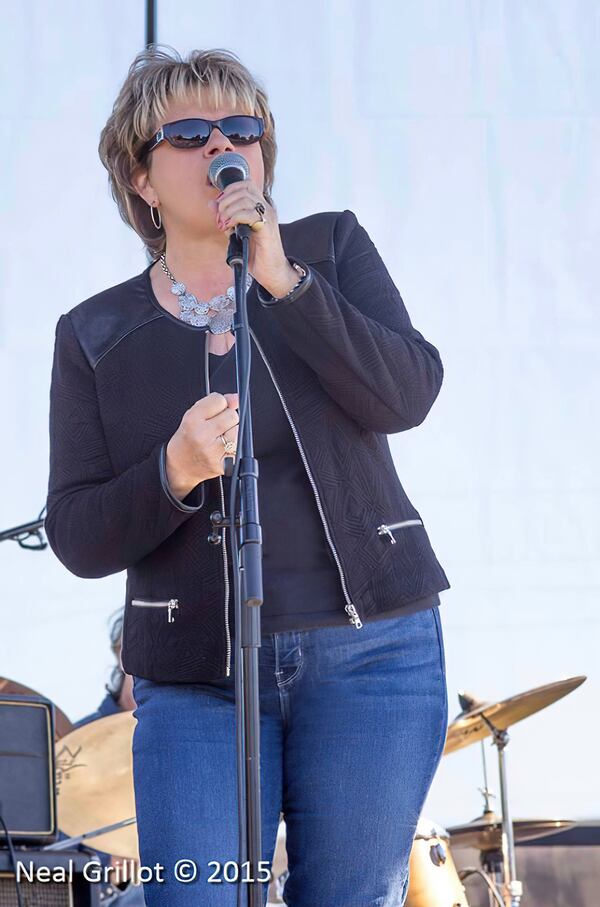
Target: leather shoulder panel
column 104, row 319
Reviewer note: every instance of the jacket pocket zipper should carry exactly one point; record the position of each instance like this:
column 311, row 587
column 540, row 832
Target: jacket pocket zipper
column 386, row 528
column 171, row 605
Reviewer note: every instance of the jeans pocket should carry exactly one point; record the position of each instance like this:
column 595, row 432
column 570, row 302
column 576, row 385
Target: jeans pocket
column 442, row 651
column 440, row 636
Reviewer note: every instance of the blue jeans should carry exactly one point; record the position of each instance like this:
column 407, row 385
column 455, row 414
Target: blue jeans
column 352, row 728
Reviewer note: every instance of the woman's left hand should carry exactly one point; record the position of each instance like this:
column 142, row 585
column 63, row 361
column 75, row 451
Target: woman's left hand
column 267, row 261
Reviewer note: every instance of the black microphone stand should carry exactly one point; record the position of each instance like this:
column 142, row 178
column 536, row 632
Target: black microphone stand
column 248, row 586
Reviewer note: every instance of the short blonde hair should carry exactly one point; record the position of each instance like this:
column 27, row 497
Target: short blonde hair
column 157, row 76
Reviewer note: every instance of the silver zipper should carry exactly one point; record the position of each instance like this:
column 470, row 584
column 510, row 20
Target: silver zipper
column 349, row 607
column 171, row 605
column 386, row 529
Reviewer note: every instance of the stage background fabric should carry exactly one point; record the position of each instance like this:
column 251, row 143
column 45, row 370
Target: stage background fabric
column 465, row 136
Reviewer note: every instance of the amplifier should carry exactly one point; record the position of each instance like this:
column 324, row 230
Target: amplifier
column 47, row 879
column 27, row 782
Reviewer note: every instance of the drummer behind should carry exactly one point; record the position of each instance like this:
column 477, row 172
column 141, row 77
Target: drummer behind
column 119, row 698
column 119, row 691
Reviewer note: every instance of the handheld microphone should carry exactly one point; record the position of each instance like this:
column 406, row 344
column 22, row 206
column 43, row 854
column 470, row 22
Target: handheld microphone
column 226, row 168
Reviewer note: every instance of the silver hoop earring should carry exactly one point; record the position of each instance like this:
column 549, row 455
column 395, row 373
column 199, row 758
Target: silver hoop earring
column 159, row 224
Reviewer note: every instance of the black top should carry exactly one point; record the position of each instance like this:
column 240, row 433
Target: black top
column 301, row 584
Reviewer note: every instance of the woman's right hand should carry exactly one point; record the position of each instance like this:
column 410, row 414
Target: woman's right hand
column 196, row 452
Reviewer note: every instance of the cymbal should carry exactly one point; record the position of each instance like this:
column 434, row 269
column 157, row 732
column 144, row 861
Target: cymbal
column 485, row 832
column 469, row 727
column 94, row 783
column 62, row 725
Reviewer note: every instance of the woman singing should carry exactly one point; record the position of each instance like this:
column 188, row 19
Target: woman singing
column 144, row 409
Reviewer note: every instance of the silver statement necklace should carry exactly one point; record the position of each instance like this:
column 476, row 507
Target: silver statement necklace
column 197, row 313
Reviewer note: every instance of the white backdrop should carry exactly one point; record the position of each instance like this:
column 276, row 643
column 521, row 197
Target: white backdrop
column 465, row 137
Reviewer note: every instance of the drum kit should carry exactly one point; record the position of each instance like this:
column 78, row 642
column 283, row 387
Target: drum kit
column 96, row 804
column 492, row 835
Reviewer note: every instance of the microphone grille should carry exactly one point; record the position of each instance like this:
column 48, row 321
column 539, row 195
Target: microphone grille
column 224, row 162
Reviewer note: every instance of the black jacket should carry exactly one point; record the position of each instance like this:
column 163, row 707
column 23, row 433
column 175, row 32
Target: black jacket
column 349, row 368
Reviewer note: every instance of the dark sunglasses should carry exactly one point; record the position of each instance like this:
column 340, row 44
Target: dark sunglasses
column 195, row 132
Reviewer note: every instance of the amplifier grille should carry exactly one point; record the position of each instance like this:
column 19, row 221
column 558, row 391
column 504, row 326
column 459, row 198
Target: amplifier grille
column 34, row 894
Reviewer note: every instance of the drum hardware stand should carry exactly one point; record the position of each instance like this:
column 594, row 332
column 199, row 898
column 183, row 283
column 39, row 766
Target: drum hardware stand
column 488, row 873
column 67, row 843
column 492, row 888
column 498, row 863
column 512, row 887
column 437, row 852
column 485, row 790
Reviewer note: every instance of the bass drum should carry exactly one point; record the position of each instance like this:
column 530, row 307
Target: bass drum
column 433, row 879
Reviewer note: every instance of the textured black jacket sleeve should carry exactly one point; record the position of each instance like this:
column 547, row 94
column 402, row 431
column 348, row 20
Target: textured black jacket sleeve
column 359, row 339
column 98, row 524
